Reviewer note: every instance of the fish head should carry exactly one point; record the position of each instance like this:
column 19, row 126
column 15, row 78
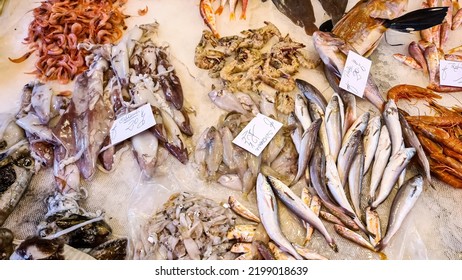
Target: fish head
column 265, row 192
column 327, row 39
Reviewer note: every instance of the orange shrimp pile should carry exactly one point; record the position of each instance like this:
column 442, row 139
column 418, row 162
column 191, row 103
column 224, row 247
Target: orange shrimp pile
column 440, row 137
column 59, row 25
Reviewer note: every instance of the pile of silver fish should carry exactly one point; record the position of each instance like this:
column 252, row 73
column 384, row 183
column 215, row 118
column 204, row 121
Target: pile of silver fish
column 334, row 163
column 189, row 226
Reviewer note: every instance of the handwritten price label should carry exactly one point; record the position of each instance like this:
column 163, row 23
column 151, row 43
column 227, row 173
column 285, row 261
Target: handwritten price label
column 355, row 75
column 132, row 123
column 451, row 73
column 257, row 134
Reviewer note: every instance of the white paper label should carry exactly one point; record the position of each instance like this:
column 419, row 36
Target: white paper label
column 132, row 123
column 451, row 73
column 257, row 134
column 355, row 75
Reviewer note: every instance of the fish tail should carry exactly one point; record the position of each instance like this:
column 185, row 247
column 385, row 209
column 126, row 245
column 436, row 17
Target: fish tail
column 232, row 16
column 219, row 10
column 418, row 20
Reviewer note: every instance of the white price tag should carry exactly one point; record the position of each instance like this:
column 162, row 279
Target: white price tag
column 355, row 75
column 450, row 73
column 257, row 134
column 132, row 123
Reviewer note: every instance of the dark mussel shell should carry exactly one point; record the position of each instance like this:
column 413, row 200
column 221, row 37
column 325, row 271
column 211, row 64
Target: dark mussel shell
column 36, row 248
column 88, row 236
column 115, row 249
column 6, row 243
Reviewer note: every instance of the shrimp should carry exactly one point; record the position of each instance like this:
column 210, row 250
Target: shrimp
column 407, row 92
column 440, row 136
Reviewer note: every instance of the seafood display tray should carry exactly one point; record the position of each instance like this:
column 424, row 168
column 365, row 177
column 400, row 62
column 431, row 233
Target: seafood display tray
column 127, row 199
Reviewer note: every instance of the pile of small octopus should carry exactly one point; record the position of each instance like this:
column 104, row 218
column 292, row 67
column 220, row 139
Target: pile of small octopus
column 70, row 133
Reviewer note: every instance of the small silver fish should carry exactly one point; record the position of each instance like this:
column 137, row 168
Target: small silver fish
column 371, row 140
column 296, row 205
column 312, row 93
column 355, row 179
column 391, row 117
column 307, row 144
column 268, row 210
column 411, row 138
column 391, row 173
column 335, row 185
column 341, row 106
column 296, row 133
column 402, row 204
column 347, row 155
column 316, row 112
column 333, row 124
column 359, row 125
column 337, row 190
column 301, row 111
column 382, row 155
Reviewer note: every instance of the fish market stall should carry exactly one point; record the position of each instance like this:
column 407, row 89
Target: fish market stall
column 181, row 188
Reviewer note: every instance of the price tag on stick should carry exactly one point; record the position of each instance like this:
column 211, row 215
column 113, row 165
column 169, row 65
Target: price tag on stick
column 257, row 134
column 450, row 73
column 132, row 123
column 355, row 74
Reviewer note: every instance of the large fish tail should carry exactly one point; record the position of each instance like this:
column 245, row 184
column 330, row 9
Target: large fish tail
column 418, row 20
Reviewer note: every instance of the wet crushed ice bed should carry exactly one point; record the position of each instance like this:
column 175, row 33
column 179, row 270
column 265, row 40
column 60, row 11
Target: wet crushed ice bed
column 431, row 231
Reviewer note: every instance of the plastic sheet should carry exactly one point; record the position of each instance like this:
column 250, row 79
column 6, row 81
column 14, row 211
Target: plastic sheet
column 431, row 231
